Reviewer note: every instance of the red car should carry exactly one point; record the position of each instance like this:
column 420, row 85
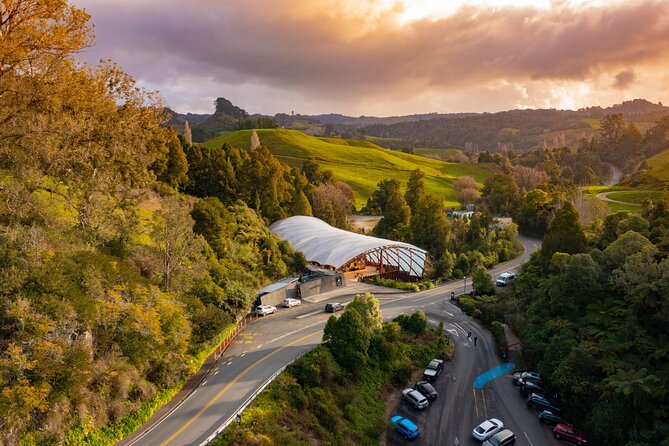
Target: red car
column 569, row 433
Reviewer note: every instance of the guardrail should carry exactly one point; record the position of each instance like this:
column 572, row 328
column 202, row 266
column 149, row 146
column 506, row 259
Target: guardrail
column 249, row 319
column 248, row 401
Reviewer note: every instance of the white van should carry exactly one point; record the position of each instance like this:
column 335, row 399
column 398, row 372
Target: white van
column 505, row 278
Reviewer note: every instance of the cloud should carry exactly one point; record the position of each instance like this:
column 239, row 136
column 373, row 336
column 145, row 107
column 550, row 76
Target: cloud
column 331, row 52
column 624, row 79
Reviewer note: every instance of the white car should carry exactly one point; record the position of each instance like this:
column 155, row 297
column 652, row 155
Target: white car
column 290, row 302
column 487, row 429
column 264, row 310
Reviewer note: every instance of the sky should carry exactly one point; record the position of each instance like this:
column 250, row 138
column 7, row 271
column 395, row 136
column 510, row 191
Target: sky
column 387, row 57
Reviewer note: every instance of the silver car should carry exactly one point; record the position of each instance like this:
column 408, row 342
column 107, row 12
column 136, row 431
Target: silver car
column 415, row 398
column 264, row 310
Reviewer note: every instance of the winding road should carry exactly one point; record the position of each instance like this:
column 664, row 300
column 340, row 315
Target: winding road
column 273, row 342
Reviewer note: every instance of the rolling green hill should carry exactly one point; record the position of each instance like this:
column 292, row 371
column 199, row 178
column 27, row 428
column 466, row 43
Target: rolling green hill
column 362, row 164
column 657, row 175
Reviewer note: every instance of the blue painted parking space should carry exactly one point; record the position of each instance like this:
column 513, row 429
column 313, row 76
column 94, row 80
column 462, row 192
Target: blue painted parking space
column 491, row 374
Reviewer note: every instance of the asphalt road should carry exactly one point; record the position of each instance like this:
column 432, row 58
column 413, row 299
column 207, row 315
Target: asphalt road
column 274, row 341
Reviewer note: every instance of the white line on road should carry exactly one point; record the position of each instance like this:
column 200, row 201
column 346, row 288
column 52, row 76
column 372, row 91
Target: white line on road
column 450, row 314
column 216, row 372
column 458, row 325
column 453, row 330
column 203, row 383
column 258, row 346
column 302, row 316
column 242, row 354
column 528, row 438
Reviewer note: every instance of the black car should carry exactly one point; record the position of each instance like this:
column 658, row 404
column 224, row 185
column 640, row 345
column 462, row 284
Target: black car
column 528, row 388
column 433, row 370
column 331, row 308
column 542, row 403
column 549, row 418
column 426, row 389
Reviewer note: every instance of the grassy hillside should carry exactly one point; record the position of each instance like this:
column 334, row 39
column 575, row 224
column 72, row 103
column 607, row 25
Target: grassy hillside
column 362, row 164
column 658, row 173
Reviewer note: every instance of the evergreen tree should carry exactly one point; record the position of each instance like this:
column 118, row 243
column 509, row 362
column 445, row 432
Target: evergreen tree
column 565, row 234
column 415, row 189
column 396, row 216
column 429, row 227
column 482, row 282
column 301, row 205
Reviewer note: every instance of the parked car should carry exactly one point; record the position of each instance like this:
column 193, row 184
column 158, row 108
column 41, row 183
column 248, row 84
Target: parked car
column 528, row 388
column 549, row 418
column 264, row 310
column 331, row 308
column 433, row 370
column 426, row 389
column 405, row 427
column 415, row 398
column 527, row 377
column 569, row 433
column 290, row 302
column 505, row 278
column 502, row 438
column 539, row 402
column 487, row 429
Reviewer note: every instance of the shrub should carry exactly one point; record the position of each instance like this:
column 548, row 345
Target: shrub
column 467, row 304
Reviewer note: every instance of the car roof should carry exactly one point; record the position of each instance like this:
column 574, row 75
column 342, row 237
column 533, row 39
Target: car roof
column 408, row 424
column 507, row 274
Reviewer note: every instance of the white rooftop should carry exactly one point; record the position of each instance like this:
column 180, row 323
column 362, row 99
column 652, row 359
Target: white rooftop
column 334, row 247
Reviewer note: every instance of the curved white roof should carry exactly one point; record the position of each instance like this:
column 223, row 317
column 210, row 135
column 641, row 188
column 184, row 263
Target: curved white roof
column 329, row 246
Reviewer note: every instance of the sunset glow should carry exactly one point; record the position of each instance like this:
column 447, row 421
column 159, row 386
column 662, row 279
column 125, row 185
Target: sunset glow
column 387, row 57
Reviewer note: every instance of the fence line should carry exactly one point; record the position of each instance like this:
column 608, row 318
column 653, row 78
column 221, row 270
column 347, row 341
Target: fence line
column 248, row 401
column 223, row 346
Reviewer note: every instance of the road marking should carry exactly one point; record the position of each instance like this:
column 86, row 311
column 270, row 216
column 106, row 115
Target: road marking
column 194, row 392
column 242, row 354
column 485, row 407
column 528, row 438
column 258, row 346
column 450, row 314
column 205, row 382
column 475, row 403
column 230, row 384
column 454, row 331
column 458, row 325
column 216, row 372
column 302, row 316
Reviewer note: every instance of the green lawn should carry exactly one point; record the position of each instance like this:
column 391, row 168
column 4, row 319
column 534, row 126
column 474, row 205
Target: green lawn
column 635, row 196
column 362, row 164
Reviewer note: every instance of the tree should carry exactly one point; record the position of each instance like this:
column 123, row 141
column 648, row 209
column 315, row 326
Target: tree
column 172, row 230
column 535, row 212
column 332, row 205
column 429, row 227
column 565, row 234
column 376, row 204
column 301, row 205
column 368, row 308
column 415, row 189
column 396, row 216
column 349, row 340
column 482, row 282
column 501, row 194
column 466, row 190
column 172, row 166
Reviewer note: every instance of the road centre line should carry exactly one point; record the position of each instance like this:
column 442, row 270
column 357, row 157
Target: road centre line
column 230, row 384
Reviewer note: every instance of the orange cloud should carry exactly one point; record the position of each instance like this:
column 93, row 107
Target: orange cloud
column 334, row 53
